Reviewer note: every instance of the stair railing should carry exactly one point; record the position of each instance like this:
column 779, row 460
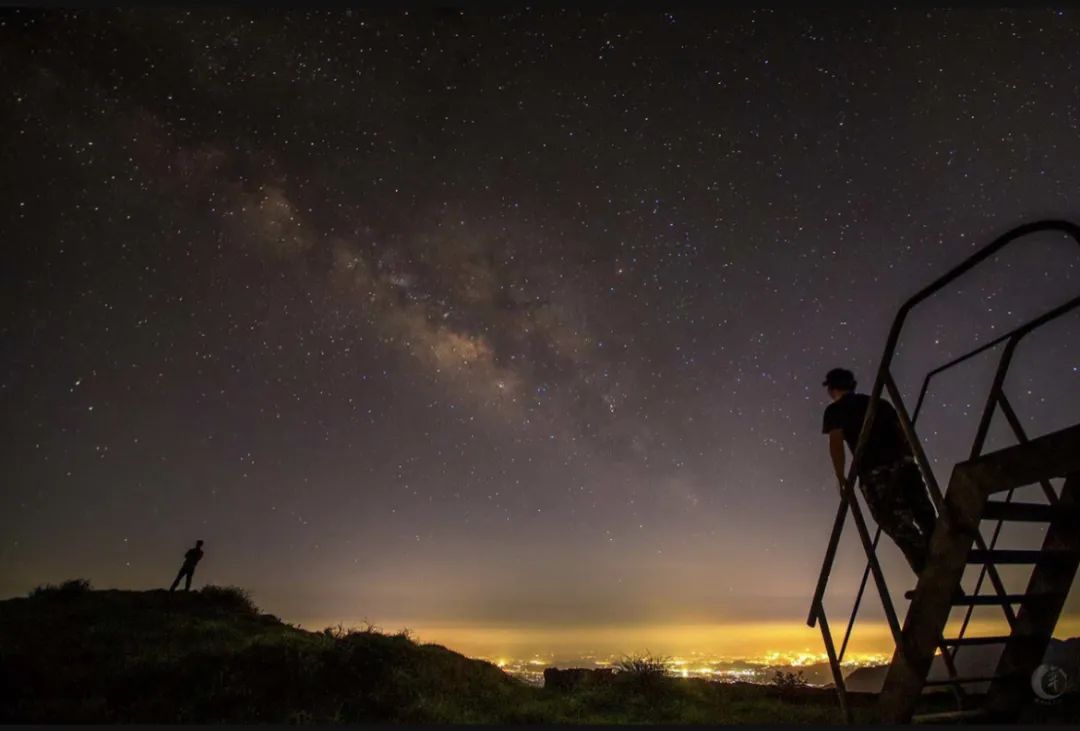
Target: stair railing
column 885, row 382
column 995, row 399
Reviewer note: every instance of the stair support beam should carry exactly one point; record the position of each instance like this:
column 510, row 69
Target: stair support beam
column 1036, row 620
column 929, row 612
column 1045, row 457
column 935, row 491
column 1021, row 436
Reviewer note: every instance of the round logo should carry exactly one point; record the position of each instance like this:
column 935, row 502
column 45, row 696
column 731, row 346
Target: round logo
column 1049, row 682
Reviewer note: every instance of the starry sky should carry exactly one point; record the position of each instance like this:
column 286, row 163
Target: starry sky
column 510, row 322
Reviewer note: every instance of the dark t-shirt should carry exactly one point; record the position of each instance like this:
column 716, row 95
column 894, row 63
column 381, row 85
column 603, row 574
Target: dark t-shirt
column 886, row 444
column 193, row 556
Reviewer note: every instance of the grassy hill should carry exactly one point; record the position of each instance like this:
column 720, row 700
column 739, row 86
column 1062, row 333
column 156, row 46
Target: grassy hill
column 71, row 654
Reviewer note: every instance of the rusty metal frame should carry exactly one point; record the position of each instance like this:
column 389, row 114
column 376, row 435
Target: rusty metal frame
column 997, row 397
column 884, row 381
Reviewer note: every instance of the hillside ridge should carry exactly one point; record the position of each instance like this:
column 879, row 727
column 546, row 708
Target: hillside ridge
column 77, row 655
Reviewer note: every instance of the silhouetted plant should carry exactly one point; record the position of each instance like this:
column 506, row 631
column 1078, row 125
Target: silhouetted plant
column 645, row 671
column 644, row 665
column 788, row 682
column 336, row 632
column 70, row 587
column 232, row 597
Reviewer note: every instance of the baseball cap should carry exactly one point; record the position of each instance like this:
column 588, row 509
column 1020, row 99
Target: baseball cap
column 839, row 378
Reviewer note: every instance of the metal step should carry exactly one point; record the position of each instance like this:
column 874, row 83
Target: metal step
column 1017, row 556
column 1046, row 457
column 949, row 716
column 1027, row 512
column 961, row 681
column 968, row 641
column 990, row 600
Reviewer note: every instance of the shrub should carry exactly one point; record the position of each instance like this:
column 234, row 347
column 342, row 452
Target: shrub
column 788, row 682
column 645, row 671
column 366, row 628
column 369, row 627
column 644, row 665
column 71, row 587
column 232, row 597
column 75, row 586
column 336, row 632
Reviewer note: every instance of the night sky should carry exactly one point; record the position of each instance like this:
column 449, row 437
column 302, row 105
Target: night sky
column 511, row 322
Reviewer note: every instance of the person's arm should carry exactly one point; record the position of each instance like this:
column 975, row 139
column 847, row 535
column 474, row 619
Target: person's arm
column 839, row 456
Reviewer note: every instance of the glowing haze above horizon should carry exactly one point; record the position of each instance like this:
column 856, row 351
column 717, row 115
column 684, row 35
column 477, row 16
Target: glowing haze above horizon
column 507, row 328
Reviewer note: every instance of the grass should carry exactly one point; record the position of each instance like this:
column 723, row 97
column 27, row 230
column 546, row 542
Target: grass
column 72, row 654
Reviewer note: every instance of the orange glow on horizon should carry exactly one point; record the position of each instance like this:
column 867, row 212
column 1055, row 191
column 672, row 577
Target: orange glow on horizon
column 775, row 643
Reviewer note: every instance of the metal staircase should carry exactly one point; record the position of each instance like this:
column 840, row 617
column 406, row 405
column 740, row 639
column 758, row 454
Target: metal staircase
column 1054, row 564
column 958, row 539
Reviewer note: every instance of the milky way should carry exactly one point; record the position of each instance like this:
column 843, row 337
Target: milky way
column 461, row 317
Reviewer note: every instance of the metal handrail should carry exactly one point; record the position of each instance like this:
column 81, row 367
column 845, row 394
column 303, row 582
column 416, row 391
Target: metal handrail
column 995, row 398
column 1017, row 332
column 894, row 337
column 890, row 348
column 882, row 382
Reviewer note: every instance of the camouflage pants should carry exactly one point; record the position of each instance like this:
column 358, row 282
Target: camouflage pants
column 899, row 503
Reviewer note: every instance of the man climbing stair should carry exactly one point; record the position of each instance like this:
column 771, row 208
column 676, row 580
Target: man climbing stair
column 889, row 478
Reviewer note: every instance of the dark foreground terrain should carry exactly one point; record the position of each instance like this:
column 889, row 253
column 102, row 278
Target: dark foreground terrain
column 70, row 654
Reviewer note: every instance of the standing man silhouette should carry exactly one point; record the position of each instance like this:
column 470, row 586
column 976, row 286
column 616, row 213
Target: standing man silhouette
column 187, row 571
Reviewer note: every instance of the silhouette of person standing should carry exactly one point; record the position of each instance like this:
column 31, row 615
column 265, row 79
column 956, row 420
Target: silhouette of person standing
column 187, row 571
